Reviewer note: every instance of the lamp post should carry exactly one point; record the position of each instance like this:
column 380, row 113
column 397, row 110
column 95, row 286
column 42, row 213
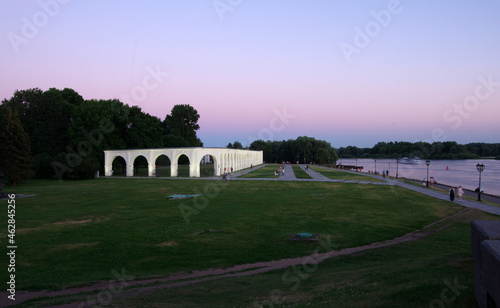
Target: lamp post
column 375, row 166
column 397, row 168
column 480, row 168
column 427, row 162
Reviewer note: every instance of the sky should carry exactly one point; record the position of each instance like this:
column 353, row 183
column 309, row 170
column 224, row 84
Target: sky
column 348, row 72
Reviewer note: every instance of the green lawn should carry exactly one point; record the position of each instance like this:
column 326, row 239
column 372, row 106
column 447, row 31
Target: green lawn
column 342, row 175
column 265, row 172
column 300, row 173
column 407, row 275
column 76, row 232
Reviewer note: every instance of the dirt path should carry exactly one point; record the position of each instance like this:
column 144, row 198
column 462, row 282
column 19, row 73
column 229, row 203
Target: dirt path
column 183, row 279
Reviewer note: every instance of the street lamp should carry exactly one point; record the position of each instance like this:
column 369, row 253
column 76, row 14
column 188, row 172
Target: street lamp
column 375, row 166
column 480, row 168
column 427, row 162
column 397, row 168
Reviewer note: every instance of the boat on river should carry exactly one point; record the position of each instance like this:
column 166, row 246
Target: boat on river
column 410, row 161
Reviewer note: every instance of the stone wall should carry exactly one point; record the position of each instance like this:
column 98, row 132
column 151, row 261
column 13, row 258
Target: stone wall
column 485, row 242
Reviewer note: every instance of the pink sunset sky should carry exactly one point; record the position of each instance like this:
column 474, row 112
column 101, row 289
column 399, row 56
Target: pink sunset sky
column 350, row 73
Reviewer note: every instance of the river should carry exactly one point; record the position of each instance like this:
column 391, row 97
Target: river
column 459, row 172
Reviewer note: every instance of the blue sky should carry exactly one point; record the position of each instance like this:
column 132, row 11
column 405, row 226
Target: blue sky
column 412, row 71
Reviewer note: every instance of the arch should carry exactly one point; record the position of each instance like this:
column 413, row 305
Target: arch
column 208, row 169
column 140, row 165
column 162, row 166
column 183, row 163
column 118, row 166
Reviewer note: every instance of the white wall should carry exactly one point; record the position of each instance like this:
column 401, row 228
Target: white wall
column 224, row 159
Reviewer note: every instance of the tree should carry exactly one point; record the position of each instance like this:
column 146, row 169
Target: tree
column 45, row 117
column 265, row 147
column 72, row 97
column 237, row 145
column 143, row 130
column 183, row 122
column 172, row 141
column 49, row 122
column 234, row 145
column 15, row 153
column 21, row 101
column 97, row 125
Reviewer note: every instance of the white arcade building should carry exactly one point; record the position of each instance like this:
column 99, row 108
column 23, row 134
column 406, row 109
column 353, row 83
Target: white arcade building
column 224, row 159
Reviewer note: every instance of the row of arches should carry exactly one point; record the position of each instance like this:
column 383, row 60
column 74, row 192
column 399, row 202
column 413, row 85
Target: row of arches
column 166, row 161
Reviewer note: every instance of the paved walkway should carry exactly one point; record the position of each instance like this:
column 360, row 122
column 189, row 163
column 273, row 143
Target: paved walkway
column 289, row 175
column 444, row 196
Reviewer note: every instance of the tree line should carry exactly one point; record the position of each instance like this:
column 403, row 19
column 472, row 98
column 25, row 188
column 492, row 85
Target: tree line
column 435, row 150
column 303, row 149
column 56, row 133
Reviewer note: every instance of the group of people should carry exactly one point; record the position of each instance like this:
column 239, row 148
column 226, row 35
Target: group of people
column 460, row 193
column 280, row 170
column 384, row 172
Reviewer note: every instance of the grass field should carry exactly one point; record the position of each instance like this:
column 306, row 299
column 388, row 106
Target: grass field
column 300, row 173
column 76, row 233
column 342, row 175
column 265, row 172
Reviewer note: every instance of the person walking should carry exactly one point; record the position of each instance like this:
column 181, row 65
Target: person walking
column 452, row 194
column 460, row 192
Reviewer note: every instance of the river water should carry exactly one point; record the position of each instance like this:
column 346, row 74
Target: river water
column 460, row 172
